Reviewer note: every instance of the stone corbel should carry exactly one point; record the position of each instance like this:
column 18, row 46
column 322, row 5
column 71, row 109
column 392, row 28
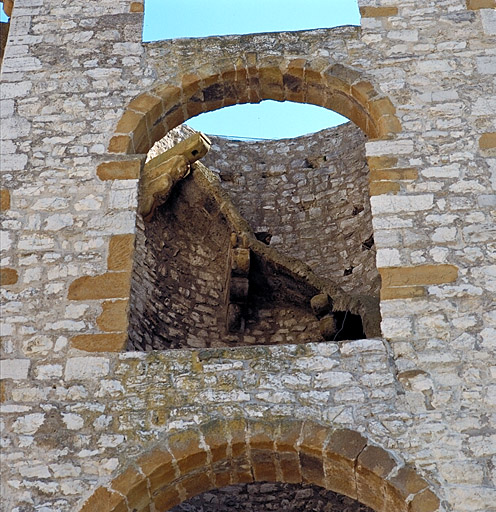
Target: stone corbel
column 163, row 172
column 237, row 282
column 321, row 305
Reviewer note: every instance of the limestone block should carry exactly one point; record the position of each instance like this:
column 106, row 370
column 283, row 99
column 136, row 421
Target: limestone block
column 488, row 17
column 28, row 424
column 486, row 65
column 81, row 368
column 16, row 369
column 404, row 203
column 387, row 147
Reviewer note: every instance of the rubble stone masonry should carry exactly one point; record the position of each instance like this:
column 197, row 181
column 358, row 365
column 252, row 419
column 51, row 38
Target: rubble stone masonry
column 404, row 422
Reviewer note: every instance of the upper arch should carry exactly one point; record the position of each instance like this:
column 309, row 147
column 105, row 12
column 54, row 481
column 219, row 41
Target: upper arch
column 224, row 452
column 251, row 79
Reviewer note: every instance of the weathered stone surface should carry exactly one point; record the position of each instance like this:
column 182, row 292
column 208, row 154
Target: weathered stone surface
column 374, row 12
column 106, row 286
column 119, row 170
column 162, row 173
column 16, row 369
column 100, row 342
column 114, row 316
column 481, row 4
column 418, row 275
column 418, row 78
column 121, row 250
column 4, row 199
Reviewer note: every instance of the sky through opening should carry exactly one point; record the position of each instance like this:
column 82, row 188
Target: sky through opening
column 166, row 19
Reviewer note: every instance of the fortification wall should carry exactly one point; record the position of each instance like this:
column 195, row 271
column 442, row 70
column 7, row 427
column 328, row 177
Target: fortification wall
column 82, row 101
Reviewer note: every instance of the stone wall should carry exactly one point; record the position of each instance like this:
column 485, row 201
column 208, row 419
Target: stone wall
column 82, row 102
column 312, row 195
column 268, row 496
column 178, row 293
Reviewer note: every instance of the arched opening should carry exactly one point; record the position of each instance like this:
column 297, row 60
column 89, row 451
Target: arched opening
column 234, row 452
column 182, row 288
column 304, row 203
column 251, row 79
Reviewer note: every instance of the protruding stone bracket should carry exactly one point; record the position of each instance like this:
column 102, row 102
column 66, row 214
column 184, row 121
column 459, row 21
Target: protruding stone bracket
column 163, row 172
column 237, row 282
column 321, row 305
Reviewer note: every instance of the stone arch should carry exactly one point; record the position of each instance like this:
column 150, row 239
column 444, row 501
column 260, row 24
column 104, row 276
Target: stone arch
column 250, row 80
column 224, row 452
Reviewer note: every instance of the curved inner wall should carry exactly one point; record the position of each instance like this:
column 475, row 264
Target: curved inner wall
column 312, row 195
column 270, row 497
column 308, row 195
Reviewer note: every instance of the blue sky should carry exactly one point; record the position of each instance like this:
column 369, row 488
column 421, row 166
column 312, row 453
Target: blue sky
column 165, row 19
